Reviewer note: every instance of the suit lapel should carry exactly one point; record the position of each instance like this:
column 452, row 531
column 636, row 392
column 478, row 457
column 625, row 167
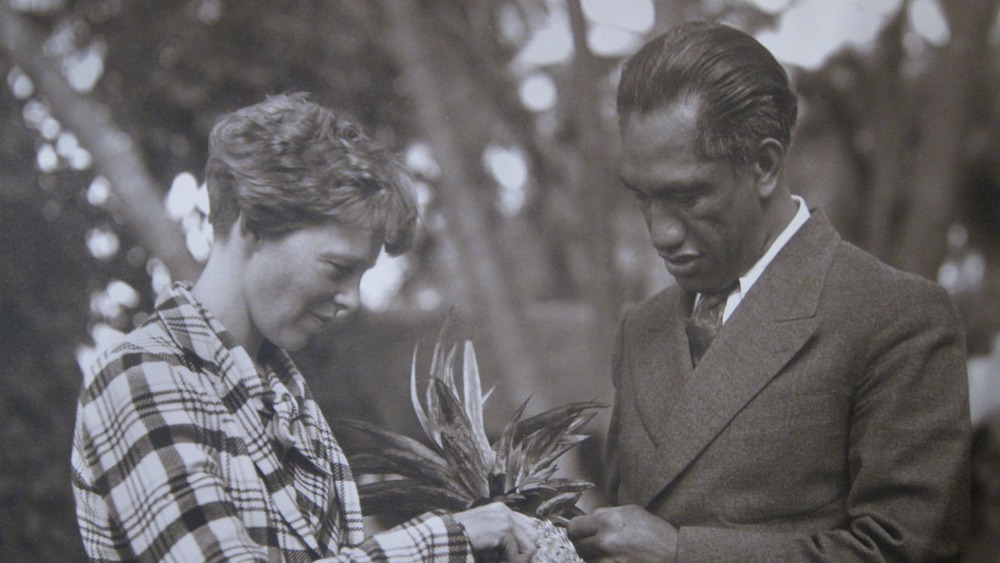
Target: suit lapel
column 685, row 409
column 662, row 364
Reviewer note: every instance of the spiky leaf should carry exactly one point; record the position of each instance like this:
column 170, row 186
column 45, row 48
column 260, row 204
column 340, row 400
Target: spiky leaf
column 407, row 464
column 451, row 415
column 461, row 469
column 468, row 465
column 418, row 409
column 556, row 486
column 407, row 497
column 503, row 447
column 557, row 504
column 446, row 368
column 436, row 355
column 558, row 416
column 566, row 443
column 473, row 395
column 395, row 440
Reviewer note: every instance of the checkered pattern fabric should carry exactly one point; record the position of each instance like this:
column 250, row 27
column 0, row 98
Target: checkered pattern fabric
column 183, row 451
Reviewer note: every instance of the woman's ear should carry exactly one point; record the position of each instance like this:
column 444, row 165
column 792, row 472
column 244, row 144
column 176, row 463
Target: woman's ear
column 249, row 240
column 770, row 158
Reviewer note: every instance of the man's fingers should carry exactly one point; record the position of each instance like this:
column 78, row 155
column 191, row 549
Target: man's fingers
column 588, row 548
column 582, row 527
column 582, row 531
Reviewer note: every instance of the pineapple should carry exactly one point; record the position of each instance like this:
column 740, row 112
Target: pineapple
column 460, row 469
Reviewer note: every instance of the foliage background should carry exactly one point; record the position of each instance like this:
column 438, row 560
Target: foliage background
column 108, row 103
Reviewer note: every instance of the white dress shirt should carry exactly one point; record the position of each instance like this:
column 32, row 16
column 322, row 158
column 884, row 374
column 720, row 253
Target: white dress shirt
column 753, row 274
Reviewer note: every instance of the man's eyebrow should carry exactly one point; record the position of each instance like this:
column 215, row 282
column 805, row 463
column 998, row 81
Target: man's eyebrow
column 679, row 187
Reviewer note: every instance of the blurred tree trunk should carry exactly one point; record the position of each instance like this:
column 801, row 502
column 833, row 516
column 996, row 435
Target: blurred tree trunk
column 935, row 181
column 115, row 155
column 438, row 88
column 596, row 187
column 891, row 129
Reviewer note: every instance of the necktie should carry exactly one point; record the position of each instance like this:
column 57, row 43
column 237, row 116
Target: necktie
column 705, row 322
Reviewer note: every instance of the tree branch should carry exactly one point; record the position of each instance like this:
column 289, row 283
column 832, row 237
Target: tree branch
column 115, row 155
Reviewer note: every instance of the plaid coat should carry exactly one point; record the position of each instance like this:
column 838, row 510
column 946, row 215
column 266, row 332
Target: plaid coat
column 183, row 451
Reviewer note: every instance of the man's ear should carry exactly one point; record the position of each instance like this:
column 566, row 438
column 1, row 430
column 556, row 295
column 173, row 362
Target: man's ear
column 767, row 165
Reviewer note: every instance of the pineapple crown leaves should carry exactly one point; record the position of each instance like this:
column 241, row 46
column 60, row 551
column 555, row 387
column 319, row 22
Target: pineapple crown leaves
column 460, row 466
column 527, row 449
column 402, row 462
column 443, row 378
column 408, row 496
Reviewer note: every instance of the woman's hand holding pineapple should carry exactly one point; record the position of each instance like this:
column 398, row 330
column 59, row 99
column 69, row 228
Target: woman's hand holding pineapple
column 495, row 527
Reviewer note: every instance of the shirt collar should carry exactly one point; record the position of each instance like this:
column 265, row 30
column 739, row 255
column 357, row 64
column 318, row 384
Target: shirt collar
column 748, row 279
column 204, row 338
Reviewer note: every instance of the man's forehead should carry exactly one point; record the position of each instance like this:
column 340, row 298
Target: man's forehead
column 668, row 132
column 683, row 110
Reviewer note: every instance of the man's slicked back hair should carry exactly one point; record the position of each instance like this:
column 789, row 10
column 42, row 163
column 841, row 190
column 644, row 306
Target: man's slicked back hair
column 743, row 93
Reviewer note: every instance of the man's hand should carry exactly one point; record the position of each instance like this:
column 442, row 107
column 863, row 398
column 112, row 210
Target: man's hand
column 626, row 533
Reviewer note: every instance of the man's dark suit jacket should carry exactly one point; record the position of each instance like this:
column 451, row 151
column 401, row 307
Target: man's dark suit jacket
column 828, row 421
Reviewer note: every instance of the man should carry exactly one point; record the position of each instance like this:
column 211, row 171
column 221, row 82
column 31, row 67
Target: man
column 197, row 439
column 790, row 398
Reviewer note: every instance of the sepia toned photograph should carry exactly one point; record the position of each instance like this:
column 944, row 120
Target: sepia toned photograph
column 500, row 280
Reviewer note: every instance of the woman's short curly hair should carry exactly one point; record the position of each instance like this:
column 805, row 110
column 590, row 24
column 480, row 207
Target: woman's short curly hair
column 743, row 92
column 288, row 163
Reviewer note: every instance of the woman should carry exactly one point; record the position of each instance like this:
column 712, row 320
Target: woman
column 197, row 438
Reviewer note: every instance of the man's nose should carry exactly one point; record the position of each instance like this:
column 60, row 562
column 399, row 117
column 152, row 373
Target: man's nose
column 665, row 229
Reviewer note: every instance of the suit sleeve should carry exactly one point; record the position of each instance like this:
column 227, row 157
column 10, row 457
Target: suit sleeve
column 149, row 484
column 908, row 455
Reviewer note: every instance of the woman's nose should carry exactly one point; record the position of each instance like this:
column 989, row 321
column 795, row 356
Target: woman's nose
column 348, row 296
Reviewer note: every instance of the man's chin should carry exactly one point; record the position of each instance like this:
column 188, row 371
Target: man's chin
column 691, row 284
column 695, row 284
